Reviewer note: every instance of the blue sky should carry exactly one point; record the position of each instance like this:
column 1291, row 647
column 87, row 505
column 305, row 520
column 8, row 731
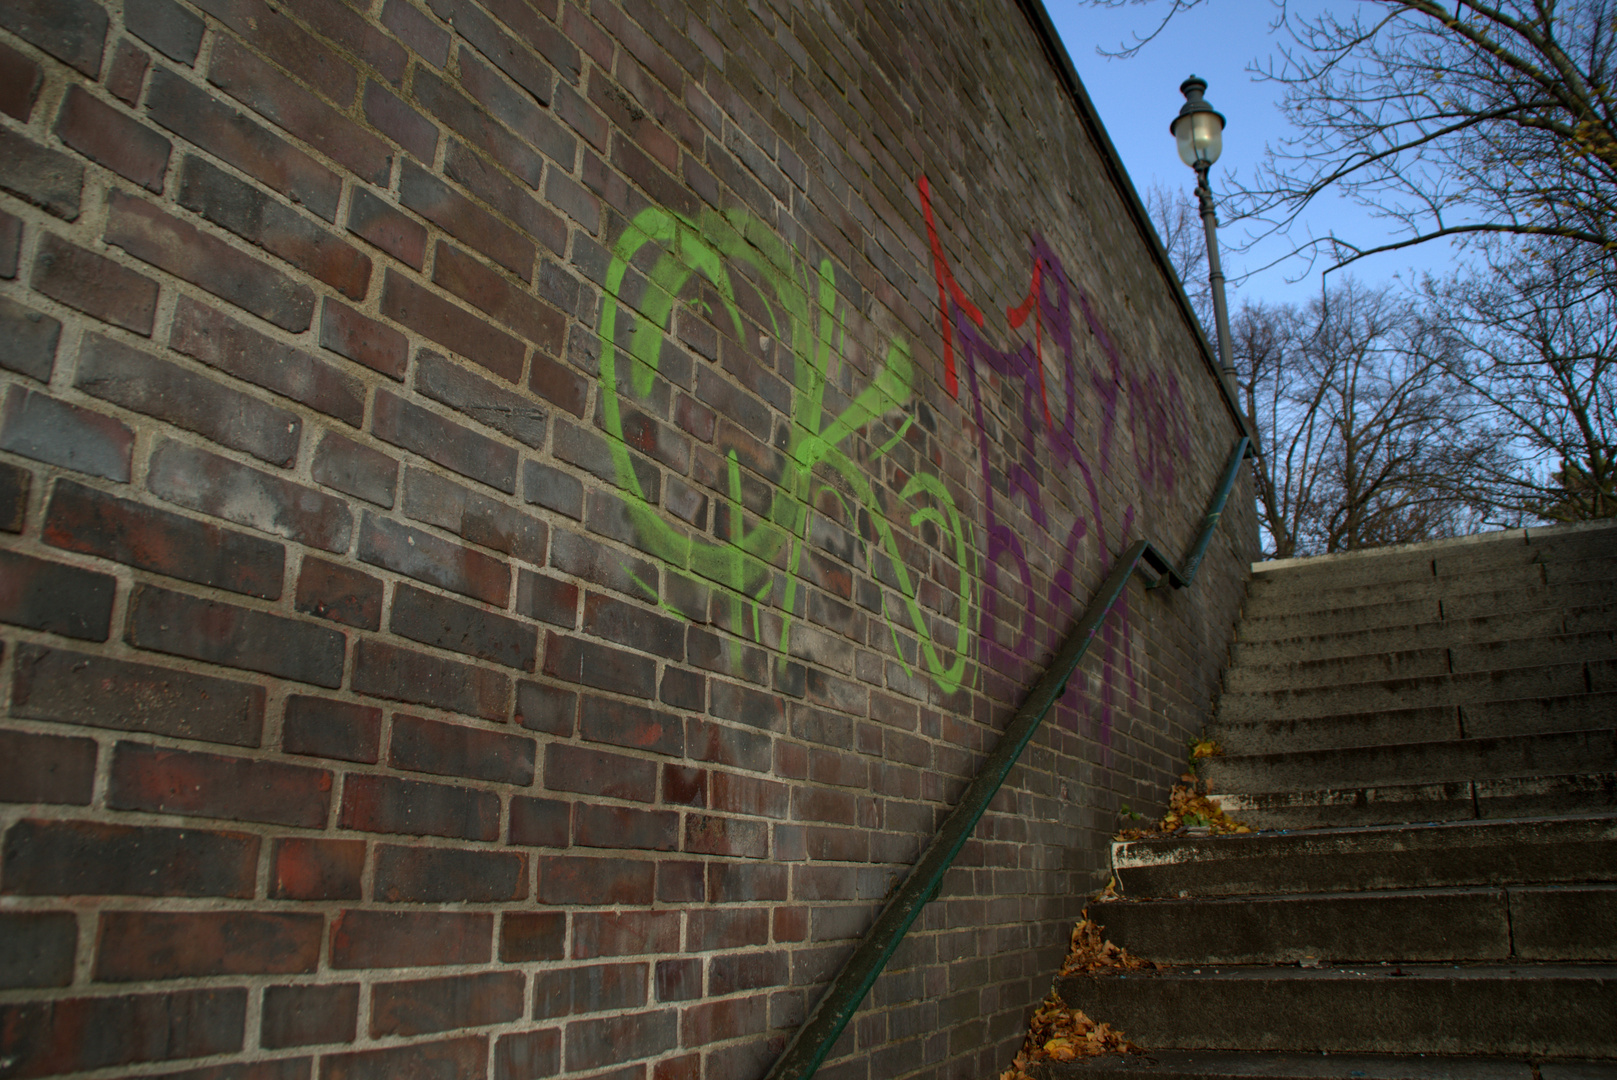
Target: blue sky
column 1138, row 97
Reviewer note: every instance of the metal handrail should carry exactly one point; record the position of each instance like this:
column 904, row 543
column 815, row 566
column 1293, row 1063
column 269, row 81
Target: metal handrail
column 803, row 1055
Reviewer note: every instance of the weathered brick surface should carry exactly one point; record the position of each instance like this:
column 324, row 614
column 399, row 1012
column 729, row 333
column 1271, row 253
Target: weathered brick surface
column 516, row 516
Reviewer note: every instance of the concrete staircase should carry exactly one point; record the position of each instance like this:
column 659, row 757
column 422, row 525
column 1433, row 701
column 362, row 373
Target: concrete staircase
column 1426, row 740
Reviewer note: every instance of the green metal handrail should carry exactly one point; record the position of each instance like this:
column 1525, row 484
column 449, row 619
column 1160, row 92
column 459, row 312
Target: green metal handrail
column 836, row 1007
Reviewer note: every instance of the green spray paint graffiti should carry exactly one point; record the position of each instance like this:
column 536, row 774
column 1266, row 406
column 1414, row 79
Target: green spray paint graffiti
column 676, row 254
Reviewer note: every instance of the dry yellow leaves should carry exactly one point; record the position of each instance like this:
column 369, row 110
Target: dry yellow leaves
column 1057, row 1033
column 1200, row 748
column 1190, row 806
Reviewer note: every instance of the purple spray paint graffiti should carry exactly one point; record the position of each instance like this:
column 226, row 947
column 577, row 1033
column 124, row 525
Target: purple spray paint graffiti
column 1157, row 423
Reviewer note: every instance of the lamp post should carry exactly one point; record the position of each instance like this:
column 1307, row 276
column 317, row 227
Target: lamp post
column 1199, row 130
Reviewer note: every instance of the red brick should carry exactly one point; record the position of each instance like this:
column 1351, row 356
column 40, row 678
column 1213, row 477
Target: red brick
column 553, row 488
column 437, row 620
column 749, row 971
column 457, row 1058
column 417, row 30
column 193, row 114
column 219, row 487
column 491, row 523
column 726, row 928
column 306, row 869
column 749, row 795
column 73, row 31
column 388, row 804
column 425, row 1006
column 262, row 220
column 166, row 27
column 423, row 556
column 625, row 827
column 287, row 44
column 591, row 38
column 594, row 772
column 135, row 379
column 526, row 936
column 490, row 292
column 339, row 593
column 470, row 335
column 341, row 730
column 44, row 177
column 108, row 137
column 490, row 183
column 791, row 924
column 457, row 215
column 449, row 875
column 10, row 254
column 722, row 744
column 451, row 445
column 624, row 933
column 170, row 244
column 592, row 1044
column 739, row 882
column 37, row 948
column 138, row 946
column 477, row 126
column 127, row 76
column 381, row 225
column 15, row 483
column 684, row 786
column 394, row 939
column 58, row 599
column 634, row 626
column 599, row 988
column 355, row 469
column 546, row 708
column 717, row 1021
column 533, row 124
column 540, row 822
column 400, row 123
column 20, row 79
column 221, row 342
column 365, row 341
column 339, row 23
column 683, row 689
column 163, row 781
column 396, row 674
column 82, row 858
column 679, row 980
column 291, row 1068
column 46, row 768
column 309, row 1015
column 72, row 688
column 548, row 599
column 490, row 404
column 559, row 385
column 726, row 836
column 48, row 1038
column 530, row 1055
column 599, row 665
column 541, row 34
column 583, row 118
column 430, row 746
column 88, row 521
column 94, row 284
column 509, row 54
column 567, row 880
column 219, row 633
column 620, row 723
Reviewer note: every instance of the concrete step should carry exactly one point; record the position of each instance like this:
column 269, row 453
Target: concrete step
column 1268, row 596
column 1551, row 1010
column 1542, row 650
column 1564, row 923
column 1349, row 617
column 1547, row 754
column 1511, row 626
column 1468, row 854
column 1434, row 723
column 1462, row 688
column 1582, row 794
column 1253, row 1065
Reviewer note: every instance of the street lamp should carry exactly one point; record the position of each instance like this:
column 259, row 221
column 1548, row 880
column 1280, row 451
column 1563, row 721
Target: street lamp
column 1199, row 131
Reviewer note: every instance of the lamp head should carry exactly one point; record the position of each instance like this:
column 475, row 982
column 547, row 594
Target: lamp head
column 1198, row 129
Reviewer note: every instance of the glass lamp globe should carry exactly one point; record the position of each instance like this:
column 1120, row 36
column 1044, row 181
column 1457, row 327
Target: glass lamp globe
column 1198, row 129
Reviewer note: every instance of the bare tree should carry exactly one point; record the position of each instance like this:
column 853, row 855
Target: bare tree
column 1461, row 119
column 1179, row 225
column 1367, row 439
column 1536, row 340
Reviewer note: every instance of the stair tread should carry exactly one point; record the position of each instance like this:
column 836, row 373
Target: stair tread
column 1258, row 1065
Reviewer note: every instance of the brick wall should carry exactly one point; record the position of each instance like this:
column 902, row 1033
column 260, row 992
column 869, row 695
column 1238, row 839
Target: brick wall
column 519, row 513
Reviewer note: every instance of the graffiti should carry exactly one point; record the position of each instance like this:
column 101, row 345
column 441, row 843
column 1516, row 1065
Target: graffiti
column 720, row 264
column 725, row 256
